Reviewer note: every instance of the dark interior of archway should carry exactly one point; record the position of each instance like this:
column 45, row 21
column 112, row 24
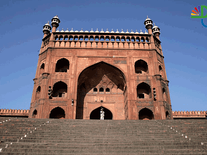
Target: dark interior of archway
column 59, row 88
column 57, row 113
column 141, row 66
column 91, row 77
column 95, row 114
column 146, row 114
column 62, row 65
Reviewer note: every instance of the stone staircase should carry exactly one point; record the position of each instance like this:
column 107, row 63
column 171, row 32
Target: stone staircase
column 114, row 137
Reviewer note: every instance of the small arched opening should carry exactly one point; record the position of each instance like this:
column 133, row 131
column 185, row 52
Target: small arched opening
column 143, row 91
column 164, row 94
column 95, row 114
column 62, row 65
column 59, row 89
column 34, row 114
column 146, row 114
column 141, row 67
column 167, row 115
column 58, row 113
column 38, row 92
column 161, row 70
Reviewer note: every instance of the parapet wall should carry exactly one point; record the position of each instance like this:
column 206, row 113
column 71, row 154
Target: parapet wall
column 189, row 114
column 14, row 112
column 176, row 114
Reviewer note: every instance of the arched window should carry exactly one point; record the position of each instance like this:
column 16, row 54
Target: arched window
column 61, row 38
column 95, row 90
column 117, row 38
column 122, row 39
column 102, row 38
column 34, row 114
column 167, row 115
column 142, row 39
column 112, row 38
column 107, row 90
column 141, row 67
column 160, row 70
column 101, row 89
column 62, row 65
column 143, row 91
column 107, row 38
column 42, row 67
column 96, row 38
column 38, row 93
column 164, row 94
column 146, row 114
column 86, row 38
column 132, row 39
column 81, row 38
column 76, row 38
column 59, row 89
column 137, row 39
column 71, row 38
column 57, row 113
column 91, row 38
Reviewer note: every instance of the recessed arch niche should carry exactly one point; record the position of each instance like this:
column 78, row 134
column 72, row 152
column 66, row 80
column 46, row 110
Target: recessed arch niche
column 101, row 75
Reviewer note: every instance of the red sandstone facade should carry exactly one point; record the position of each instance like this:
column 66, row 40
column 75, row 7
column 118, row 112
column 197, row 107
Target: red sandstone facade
column 78, row 72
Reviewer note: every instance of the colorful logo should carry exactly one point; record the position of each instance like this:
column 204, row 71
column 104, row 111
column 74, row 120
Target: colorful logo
column 199, row 13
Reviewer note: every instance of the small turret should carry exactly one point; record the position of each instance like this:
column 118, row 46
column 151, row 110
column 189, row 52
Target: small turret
column 156, row 31
column 148, row 25
column 55, row 23
column 46, row 29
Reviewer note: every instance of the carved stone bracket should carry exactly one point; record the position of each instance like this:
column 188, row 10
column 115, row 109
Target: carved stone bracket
column 45, row 75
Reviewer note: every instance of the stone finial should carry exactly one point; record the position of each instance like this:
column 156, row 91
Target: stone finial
column 57, row 30
column 132, row 31
column 91, row 30
column 97, row 31
column 71, row 30
column 67, row 30
column 136, row 32
column 107, row 31
column 62, row 30
column 122, row 31
column 81, row 30
column 102, row 31
column 141, row 32
column 112, row 31
column 117, row 31
column 127, row 31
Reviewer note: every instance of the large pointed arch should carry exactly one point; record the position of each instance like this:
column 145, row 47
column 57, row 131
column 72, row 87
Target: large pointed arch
column 146, row 114
column 91, row 76
column 57, row 113
column 95, row 114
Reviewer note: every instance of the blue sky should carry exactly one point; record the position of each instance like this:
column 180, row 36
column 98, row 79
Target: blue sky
column 183, row 42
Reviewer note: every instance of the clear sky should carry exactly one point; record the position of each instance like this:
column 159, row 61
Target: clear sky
column 184, row 42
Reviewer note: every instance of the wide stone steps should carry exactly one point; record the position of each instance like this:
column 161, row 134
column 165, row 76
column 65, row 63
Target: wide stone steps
column 51, row 136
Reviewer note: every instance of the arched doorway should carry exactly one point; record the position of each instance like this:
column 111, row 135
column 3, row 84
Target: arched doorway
column 34, row 114
column 146, row 114
column 98, row 85
column 57, row 113
column 95, row 114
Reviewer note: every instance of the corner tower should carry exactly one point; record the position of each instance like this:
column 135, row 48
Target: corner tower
column 82, row 73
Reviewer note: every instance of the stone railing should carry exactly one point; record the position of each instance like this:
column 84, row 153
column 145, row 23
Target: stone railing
column 102, row 39
column 189, row 114
column 13, row 112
